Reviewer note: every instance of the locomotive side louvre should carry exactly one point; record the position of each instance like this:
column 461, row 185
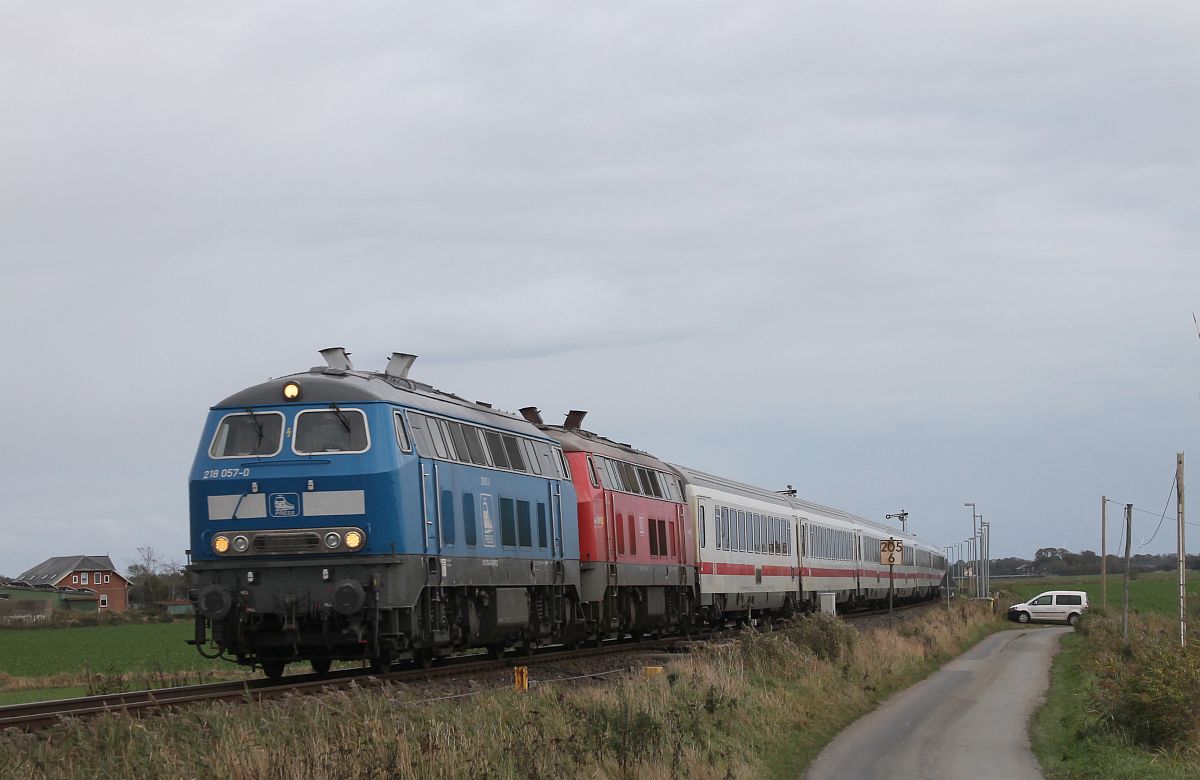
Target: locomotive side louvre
column 451, row 549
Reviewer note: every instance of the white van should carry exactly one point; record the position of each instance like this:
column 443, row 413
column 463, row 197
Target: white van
column 1054, row 605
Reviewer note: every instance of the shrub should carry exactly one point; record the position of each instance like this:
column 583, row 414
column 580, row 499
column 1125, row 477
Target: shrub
column 826, row 636
column 1146, row 689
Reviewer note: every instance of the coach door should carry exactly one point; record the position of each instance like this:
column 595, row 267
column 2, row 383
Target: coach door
column 798, row 523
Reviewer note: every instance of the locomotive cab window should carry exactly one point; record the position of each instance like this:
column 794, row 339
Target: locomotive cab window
column 331, row 431
column 258, row 434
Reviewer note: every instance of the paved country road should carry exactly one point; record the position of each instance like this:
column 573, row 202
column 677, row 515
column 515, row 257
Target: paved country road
column 968, row 719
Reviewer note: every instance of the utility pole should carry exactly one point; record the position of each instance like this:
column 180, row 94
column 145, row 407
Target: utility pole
column 1103, row 550
column 1128, row 544
column 1182, row 553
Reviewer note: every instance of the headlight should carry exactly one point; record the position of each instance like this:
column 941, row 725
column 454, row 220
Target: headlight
column 291, row 391
column 332, row 540
column 221, row 544
column 241, row 544
column 354, row 540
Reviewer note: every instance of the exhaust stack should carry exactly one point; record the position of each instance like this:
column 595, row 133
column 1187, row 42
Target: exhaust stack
column 532, row 414
column 574, row 419
column 337, row 357
column 399, row 364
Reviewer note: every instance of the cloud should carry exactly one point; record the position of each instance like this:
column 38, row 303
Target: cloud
column 888, row 254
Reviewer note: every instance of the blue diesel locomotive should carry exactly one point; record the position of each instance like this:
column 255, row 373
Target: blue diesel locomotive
column 321, row 531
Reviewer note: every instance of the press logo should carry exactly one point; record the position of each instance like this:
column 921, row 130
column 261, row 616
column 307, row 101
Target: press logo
column 284, row 504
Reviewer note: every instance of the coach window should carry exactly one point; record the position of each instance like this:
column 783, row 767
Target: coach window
column 620, row 535
column 592, row 475
column 513, row 450
column 632, row 535
column 662, row 536
column 242, row 435
column 654, row 549
column 330, row 431
column 541, row 524
column 402, row 434
column 563, row 468
column 701, row 524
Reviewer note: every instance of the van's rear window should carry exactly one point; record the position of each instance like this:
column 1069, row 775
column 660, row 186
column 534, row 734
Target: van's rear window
column 248, row 435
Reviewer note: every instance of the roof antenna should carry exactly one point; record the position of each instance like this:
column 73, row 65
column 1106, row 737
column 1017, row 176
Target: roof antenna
column 399, row 364
column 532, row 414
column 574, row 419
column 337, row 357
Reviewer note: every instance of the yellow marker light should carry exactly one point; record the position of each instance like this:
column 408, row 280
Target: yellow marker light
column 221, row 544
column 354, row 540
column 291, row 391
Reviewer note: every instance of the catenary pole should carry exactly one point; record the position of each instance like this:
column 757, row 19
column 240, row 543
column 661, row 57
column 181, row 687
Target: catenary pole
column 1103, row 550
column 1128, row 544
column 1182, row 552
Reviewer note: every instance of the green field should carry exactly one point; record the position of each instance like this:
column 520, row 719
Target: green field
column 151, row 647
column 1157, row 592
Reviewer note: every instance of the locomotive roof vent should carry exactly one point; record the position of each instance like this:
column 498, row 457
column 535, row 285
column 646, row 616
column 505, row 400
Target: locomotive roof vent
column 532, row 414
column 337, row 358
column 399, row 364
column 574, row 419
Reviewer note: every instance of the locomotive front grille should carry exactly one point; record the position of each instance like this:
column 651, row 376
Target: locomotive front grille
column 288, row 542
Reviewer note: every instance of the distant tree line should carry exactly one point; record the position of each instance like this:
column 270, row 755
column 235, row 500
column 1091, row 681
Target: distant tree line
column 155, row 580
column 1059, row 561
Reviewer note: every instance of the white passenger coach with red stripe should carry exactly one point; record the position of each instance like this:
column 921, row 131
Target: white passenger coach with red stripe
column 762, row 551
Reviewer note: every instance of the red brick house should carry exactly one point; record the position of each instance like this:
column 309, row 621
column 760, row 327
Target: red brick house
column 83, row 571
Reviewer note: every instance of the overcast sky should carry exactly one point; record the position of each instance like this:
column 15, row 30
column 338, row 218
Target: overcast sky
column 896, row 255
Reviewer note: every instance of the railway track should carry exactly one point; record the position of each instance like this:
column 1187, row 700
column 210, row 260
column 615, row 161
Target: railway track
column 35, row 716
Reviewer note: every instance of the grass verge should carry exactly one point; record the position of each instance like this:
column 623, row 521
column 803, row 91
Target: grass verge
column 759, row 706
column 1074, row 735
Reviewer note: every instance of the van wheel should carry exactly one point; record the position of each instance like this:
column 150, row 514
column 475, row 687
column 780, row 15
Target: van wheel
column 1073, row 618
column 1022, row 617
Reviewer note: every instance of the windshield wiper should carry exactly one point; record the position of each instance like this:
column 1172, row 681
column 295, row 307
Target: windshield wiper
column 341, row 417
column 258, row 427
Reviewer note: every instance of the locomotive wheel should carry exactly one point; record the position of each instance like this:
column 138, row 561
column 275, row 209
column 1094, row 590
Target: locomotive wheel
column 273, row 669
column 321, row 665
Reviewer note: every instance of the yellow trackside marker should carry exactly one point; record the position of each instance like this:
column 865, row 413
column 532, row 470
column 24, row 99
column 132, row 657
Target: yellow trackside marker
column 521, row 678
column 650, row 671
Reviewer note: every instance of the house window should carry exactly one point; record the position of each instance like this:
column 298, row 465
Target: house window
column 83, row 578
column 74, row 579
column 103, row 602
column 107, row 578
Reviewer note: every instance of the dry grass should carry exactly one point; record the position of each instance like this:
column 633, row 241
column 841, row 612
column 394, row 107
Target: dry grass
column 761, row 705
